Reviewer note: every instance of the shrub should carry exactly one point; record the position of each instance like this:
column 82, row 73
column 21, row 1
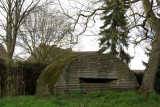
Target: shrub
column 111, row 95
column 96, row 94
column 19, row 77
column 78, row 93
column 31, row 72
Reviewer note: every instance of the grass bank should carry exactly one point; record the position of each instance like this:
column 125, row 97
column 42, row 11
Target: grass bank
column 80, row 99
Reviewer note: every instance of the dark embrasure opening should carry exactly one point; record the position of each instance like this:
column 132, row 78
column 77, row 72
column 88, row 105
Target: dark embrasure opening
column 96, row 80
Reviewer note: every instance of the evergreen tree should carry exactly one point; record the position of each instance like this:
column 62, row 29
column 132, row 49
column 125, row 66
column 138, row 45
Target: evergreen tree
column 114, row 32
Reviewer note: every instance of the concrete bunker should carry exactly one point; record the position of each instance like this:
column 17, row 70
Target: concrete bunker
column 93, row 72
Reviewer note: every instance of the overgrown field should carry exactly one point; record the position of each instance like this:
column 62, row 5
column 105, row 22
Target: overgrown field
column 80, row 99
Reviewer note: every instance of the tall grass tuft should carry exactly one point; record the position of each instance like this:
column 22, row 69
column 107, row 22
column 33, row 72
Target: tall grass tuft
column 81, row 99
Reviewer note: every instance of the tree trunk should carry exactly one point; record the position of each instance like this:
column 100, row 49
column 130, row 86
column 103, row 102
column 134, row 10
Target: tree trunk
column 10, row 50
column 9, row 54
column 148, row 81
column 147, row 85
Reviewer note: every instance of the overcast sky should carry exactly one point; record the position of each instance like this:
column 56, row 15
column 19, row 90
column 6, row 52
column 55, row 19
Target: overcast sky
column 90, row 43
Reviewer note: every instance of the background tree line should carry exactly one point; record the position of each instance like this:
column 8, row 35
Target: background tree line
column 39, row 31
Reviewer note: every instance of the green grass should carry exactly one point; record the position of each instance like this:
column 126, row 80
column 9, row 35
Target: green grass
column 80, row 99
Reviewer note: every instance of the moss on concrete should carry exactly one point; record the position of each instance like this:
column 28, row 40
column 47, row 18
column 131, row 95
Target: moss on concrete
column 52, row 74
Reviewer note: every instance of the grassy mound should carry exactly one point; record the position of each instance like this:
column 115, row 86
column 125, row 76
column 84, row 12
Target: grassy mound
column 80, row 99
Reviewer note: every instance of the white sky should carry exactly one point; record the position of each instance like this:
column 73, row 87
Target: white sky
column 90, row 43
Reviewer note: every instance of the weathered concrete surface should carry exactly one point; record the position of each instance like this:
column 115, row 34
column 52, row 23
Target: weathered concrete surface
column 94, row 73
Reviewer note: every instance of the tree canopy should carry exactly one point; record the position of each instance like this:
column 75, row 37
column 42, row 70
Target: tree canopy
column 115, row 31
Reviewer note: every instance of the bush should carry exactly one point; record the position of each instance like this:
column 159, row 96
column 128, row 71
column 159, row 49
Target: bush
column 31, row 72
column 96, row 94
column 19, row 78
column 78, row 93
column 11, row 79
column 112, row 95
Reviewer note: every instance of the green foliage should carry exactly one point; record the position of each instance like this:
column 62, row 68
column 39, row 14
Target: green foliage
column 75, row 94
column 115, row 31
column 44, row 96
column 131, row 98
column 18, row 77
column 110, row 99
column 78, row 93
column 112, row 95
column 95, row 94
column 8, row 78
column 31, row 72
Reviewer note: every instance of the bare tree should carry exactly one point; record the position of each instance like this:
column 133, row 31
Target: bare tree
column 13, row 13
column 42, row 29
column 149, row 16
column 154, row 60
